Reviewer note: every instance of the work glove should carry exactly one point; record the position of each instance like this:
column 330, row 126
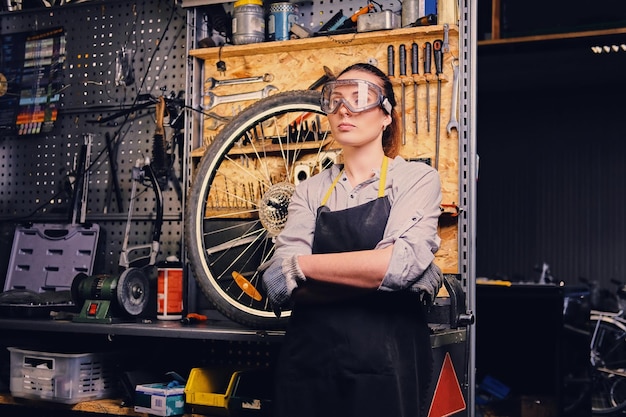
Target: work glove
column 428, row 284
column 280, row 279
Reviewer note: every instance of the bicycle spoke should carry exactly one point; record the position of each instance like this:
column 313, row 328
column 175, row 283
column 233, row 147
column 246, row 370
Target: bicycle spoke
column 239, row 197
column 608, row 354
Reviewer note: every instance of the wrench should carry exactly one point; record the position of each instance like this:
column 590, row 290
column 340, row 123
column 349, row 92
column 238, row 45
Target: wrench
column 215, row 100
column 213, row 83
column 453, row 123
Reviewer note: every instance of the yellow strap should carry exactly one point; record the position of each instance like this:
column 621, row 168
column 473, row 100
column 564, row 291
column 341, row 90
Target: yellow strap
column 383, row 177
column 331, row 188
column 381, row 185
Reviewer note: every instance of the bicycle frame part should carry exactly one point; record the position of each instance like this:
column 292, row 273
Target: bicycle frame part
column 608, row 363
column 141, row 171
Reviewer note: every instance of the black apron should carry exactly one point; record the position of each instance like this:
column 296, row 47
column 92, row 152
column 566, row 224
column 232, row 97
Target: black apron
column 366, row 355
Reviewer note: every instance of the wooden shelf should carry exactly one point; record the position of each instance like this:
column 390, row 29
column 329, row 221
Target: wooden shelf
column 320, row 42
column 552, row 37
column 497, row 39
column 105, row 406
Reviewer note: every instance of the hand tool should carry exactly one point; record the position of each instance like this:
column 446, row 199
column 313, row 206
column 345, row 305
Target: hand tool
column 158, row 144
column 351, row 21
column 402, row 54
column 213, row 83
column 446, row 45
column 438, row 52
column 193, row 318
column 112, row 153
column 328, row 76
column 414, row 72
column 453, row 123
column 427, row 20
column 428, row 51
column 390, row 61
column 215, row 100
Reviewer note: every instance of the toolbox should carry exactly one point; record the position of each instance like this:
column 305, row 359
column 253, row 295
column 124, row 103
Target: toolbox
column 227, row 392
column 44, row 260
column 67, row 378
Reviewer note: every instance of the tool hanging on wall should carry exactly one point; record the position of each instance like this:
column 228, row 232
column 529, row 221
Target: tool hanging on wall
column 391, row 61
column 112, row 147
column 158, row 144
column 402, row 57
column 453, row 123
column 78, row 213
column 438, row 53
column 428, row 51
column 214, row 83
column 215, row 100
column 415, row 72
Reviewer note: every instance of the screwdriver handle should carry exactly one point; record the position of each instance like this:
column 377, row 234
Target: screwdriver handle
column 414, row 59
column 438, row 51
column 390, row 61
column 402, row 53
column 428, row 52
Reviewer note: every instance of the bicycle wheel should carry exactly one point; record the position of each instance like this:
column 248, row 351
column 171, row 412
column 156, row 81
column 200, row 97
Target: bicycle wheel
column 576, row 391
column 608, row 361
column 238, row 200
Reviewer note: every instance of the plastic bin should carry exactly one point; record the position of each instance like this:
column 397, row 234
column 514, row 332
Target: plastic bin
column 67, row 378
column 227, row 392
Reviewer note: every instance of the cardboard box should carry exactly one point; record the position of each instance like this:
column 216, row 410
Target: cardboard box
column 159, row 399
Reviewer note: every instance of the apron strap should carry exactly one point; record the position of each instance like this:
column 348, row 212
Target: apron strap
column 383, row 177
column 381, row 184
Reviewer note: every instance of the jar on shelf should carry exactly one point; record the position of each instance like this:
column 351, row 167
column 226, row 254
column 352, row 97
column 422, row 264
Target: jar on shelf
column 248, row 22
column 282, row 16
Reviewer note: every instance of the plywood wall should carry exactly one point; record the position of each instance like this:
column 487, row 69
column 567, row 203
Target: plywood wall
column 297, row 64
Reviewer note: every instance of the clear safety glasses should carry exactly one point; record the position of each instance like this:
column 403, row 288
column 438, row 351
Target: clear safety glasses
column 356, row 95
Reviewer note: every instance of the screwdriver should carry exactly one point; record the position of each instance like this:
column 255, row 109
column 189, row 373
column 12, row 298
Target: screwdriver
column 428, row 51
column 390, row 61
column 438, row 51
column 192, row 318
column 414, row 71
column 402, row 53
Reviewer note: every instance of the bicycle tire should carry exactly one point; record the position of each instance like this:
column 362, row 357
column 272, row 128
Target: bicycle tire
column 239, row 196
column 608, row 365
column 576, row 392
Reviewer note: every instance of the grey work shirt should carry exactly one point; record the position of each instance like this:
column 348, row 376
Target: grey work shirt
column 414, row 191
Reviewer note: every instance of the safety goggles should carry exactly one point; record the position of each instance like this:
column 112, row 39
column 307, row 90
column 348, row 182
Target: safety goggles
column 356, row 95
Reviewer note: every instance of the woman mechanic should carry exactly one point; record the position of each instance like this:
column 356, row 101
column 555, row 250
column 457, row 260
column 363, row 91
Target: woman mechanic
column 355, row 264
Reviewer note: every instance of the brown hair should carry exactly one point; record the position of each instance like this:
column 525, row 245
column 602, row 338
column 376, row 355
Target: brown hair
column 392, row 134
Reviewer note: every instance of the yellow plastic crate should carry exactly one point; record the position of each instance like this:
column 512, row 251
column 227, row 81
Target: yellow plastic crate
column 229, row 392
column 210, row 389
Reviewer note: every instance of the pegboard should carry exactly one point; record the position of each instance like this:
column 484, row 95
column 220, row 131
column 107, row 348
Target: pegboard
column 36, row 170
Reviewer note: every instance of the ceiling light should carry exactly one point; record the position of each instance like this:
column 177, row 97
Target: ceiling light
column 598, row 49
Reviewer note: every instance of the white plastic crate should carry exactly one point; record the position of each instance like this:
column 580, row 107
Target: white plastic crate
column 67, row 378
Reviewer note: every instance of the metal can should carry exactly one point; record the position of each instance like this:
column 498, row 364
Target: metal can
column 410, row 12
column 170, row 292
column 248, row 22
column 282, row 16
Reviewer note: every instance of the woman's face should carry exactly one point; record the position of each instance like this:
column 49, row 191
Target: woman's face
column 359, row 129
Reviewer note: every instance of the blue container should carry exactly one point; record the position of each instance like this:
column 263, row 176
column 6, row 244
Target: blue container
column 282, row 16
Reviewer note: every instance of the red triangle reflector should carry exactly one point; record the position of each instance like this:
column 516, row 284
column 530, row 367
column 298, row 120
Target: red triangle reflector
column 448, row 397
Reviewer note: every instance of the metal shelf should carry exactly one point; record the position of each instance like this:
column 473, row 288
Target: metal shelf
column 213, row 329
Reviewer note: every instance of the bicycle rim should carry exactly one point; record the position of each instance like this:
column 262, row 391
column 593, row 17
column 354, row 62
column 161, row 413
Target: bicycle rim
column 238, row 200
column 608, row 358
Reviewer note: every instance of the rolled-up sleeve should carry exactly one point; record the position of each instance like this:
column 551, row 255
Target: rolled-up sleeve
column 412, row 225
